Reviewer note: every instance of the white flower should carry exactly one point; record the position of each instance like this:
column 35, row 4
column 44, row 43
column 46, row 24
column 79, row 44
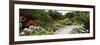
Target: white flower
column 83, row 31
column 38, row 27
column 31, row 27
column 25, row 29
column 29, row 30
column 87, row 30
column 80, row 29
column 83, row 25
column 35, row 27
column 22, row 33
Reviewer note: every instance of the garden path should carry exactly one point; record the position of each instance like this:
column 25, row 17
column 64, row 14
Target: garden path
column 66, row 30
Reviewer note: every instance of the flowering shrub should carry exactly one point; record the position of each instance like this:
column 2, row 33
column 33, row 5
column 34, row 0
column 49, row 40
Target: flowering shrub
column 81, row 29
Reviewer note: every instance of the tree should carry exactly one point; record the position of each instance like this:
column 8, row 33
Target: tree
column 43, row 16
column 69, row 15
column 55, row 15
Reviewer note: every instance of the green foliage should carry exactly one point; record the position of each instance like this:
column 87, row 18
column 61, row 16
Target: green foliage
column 69, row 15
column 42, row 31
column 43, row 16
column 55, row 15
column 81, row 18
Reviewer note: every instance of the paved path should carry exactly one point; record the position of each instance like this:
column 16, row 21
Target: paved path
column 66, row 30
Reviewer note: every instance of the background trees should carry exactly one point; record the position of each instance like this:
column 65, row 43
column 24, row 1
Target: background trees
column 43, row 16
column 55, row 15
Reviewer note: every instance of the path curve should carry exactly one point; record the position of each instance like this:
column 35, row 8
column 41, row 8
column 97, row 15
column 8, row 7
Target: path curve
column 66, row 30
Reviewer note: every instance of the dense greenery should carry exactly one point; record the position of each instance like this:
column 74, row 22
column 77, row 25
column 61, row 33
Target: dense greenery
column 80, row 18
column 52, row 20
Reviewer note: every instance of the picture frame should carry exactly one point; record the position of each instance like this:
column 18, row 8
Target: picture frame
column 14, row 14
